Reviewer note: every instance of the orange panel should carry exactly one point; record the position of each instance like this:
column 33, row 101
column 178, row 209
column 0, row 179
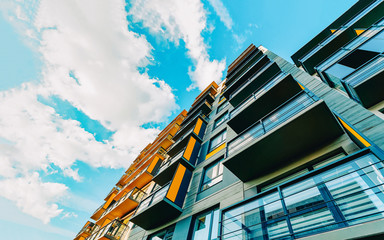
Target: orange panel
column 189, row 149
column 153, row 164
column 176, row 182
column 198, row 126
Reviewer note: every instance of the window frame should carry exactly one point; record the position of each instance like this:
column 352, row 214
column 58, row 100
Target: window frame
column 210, row 148
column 212, row 211
column 223, row 105
column 219, row 174
column 225, row 115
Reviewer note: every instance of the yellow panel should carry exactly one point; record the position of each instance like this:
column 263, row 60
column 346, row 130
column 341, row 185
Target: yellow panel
column 222, row 100
column 359, row 31
column 198, row 126
column 189, row 149
column 222, row 146
column 176, row 182
column 153, row 164
column 109, row 200
column 106, row 221
column 354, row 133
column 301, row 85
column 333, row 30
column 86, row 223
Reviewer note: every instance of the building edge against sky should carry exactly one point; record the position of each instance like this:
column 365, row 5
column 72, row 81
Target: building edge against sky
column 276, row 151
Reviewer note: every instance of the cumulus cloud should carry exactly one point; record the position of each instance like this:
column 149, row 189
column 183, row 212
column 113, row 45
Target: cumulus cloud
column 33, row 196
column 181, row 20
column 91, row 60
column 222, row 12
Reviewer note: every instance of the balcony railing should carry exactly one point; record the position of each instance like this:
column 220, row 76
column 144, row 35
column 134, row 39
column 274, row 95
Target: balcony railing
column 256, row 94
column 344, row 193
column 293, row 106
column 339, row 31
column 253, row 77
column 245, row 71
column 135, row 195
column 185, row 124
column 86, row 229
column 113, row 231
column 153, row 198
column 241, row 68
column 364, row 72
column 170, row 161
column 192, row 114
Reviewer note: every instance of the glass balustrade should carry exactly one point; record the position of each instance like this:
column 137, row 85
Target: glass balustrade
column 254, row 96
column 293, row 106
column 153, row 198
column 331, row 198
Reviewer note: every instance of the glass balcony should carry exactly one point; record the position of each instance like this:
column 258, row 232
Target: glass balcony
column 168, row 168
column 165, row 204
column 85, row 231
column 364, row 19
column 195, row 133
column 187, row 125
column 204, row 107
column 304, row 121
column 206, row 97
column 125, row 204
column 248, row 61
column 96, row 215
column 254, row 82
column 143, row 176
column 347, row 192
column 112, row 231
column 255, row 65
column 267, row 97
column 366, row 84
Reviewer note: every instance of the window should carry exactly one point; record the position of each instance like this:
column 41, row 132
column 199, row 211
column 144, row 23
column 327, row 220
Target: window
column 206, row 225
column 217, row 140
column 222, row 106
column 220, row 120
column 212, row 175
column 348, row 194
column 165, row 234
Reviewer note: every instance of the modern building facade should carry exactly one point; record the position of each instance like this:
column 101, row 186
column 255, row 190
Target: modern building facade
column 276, row 151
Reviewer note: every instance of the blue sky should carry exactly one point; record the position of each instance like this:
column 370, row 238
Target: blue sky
column 85, row 86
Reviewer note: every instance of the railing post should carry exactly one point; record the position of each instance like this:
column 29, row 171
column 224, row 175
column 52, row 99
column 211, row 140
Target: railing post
column 262, row 125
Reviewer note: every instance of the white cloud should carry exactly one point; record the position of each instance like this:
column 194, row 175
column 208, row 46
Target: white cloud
column 93, row 42
column 33, row 196
column 179, row 20
column 222, row 12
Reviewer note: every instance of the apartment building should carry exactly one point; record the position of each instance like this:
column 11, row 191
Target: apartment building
column 276, row 151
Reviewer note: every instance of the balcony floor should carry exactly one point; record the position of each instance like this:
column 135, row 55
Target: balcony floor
column 157, row 214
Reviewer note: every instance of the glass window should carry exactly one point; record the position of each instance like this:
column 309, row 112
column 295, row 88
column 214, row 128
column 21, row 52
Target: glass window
column 348, row 194
column 217, row 140
column 212, row 175
column 220, row 120
column 165, row 234
column 206, row 225
column 222, row 106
